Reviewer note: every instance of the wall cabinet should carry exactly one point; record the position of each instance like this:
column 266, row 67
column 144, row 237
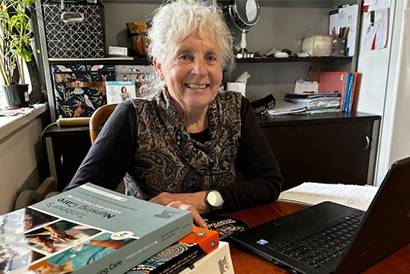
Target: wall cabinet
column 329, row 147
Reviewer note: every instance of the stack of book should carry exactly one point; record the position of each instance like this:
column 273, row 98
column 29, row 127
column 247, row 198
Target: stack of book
column 90, row 229
column 316, row 102
column 342, row 82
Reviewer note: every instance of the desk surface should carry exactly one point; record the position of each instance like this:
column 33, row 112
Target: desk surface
column 246, row 262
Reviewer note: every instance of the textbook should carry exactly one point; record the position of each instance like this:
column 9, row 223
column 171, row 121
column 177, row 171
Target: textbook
column 180, row 255
column 88, row 229
column 218, row 261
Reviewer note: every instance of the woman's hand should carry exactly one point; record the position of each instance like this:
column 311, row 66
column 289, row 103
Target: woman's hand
column 195, row 215
column 57, row 233
column 46, row 244
column 197, row 200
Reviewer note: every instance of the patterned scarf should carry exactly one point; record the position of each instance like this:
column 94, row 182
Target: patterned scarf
column 168, row 159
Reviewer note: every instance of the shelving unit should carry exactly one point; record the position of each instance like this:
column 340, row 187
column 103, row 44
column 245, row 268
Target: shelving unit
column 336, row 147
column 290, row 59
column 145, row 61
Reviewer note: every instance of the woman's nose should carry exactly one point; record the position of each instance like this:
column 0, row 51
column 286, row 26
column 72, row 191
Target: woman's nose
column 199, row 68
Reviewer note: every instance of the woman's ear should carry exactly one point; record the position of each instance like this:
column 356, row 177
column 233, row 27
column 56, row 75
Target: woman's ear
column 158, row 70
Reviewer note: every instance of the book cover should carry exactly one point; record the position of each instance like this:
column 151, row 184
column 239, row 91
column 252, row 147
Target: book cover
column 119, row 91
column 181, row 254
column 346, row 103
column 218, row 261
column 88, row 229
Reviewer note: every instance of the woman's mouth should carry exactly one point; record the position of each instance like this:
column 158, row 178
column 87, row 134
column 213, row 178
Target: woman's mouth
column 195, row 86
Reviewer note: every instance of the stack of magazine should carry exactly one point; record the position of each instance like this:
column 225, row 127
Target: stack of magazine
column 316, row 102
column 90, row 229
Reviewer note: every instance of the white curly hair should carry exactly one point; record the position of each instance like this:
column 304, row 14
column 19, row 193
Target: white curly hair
column 174, row 21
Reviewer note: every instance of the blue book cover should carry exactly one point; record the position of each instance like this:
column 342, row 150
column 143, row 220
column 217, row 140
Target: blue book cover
column 88, row 229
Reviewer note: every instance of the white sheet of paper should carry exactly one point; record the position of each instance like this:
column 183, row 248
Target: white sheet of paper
column 382, row 27
column 369, row 36
column 357, row 196
column 381, row 4
column 369, row 2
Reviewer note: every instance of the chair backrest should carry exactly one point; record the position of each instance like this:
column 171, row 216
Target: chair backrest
column 99, row 118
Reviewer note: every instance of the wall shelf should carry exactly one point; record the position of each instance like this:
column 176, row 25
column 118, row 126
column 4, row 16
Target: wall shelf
column 97, row 61
column 144, row 61
column 294, row 59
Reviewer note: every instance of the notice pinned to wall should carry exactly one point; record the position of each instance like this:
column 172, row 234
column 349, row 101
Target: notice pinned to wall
column 377, row 31
column 377, row 18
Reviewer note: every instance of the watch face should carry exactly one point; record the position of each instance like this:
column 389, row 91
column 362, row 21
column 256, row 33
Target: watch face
column 214, row 199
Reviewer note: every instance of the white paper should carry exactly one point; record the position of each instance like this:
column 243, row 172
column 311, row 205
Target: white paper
column 369, row 2
column 356, row 196
column 381, row 4
column 283, row 107
column 243, row 78
column 382, row 27
column 369, row 37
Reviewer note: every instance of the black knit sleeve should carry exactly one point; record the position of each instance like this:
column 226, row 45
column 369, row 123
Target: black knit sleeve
column 112, row 153
column 259, row 181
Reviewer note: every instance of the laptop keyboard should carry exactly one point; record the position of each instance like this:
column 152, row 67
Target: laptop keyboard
column 322, row 247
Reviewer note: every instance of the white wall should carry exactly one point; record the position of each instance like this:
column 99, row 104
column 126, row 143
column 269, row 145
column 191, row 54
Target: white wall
column 385, row 90
column 17, row 162
column 400, row 139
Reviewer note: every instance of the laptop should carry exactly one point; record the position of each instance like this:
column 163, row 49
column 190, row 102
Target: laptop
column 332, row 238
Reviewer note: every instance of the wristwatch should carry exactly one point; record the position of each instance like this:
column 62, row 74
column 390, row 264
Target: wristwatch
column 214, row 199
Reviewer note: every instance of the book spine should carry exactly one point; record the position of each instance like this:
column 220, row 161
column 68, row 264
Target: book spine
column 349, row 93
column 353, row 91
column 175, row 265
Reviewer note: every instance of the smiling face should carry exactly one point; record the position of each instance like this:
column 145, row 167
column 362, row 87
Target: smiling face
column 193, row 71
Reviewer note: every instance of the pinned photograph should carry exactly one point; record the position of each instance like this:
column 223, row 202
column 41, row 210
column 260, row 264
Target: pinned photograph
column 119, row 91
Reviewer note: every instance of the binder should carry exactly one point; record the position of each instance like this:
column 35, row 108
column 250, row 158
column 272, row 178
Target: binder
column 342, row 82
column 334, row 81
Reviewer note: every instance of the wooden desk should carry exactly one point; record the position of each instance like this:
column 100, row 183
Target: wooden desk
column 245, row 262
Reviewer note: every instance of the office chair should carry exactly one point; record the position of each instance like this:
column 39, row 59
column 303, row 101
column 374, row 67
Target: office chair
column 98, row 120
column 50, row 187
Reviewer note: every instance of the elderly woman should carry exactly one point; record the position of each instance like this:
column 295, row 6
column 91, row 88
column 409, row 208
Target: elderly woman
column 183, row 145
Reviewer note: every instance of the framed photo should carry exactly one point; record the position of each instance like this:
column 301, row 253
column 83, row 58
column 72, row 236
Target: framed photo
column 119, row 91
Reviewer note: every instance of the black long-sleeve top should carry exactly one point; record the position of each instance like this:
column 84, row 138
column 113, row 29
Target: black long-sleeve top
column 112, row 156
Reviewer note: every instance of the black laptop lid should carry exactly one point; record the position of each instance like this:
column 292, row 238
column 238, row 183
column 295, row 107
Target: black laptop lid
column 386, row 225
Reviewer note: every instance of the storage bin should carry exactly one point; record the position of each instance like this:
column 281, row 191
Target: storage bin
column 80, row 89
column 74, row 40
column 137, row 32
column 317, row 45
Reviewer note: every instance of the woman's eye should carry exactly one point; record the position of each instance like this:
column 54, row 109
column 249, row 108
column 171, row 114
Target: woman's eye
column 183, row 57
column 211, row 58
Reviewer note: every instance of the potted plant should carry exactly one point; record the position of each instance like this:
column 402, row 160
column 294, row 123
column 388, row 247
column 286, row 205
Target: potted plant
column 15, row 48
